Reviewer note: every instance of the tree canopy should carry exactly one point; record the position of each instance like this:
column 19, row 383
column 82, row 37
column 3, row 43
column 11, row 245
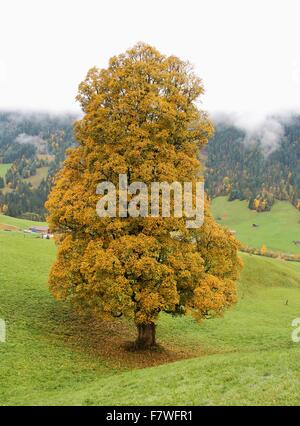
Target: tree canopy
column 140, row 119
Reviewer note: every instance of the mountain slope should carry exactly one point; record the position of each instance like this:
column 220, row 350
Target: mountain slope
column 245, row 166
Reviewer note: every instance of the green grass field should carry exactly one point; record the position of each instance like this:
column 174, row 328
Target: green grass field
column 277, row 228
column 52, row 357
column 3, row 169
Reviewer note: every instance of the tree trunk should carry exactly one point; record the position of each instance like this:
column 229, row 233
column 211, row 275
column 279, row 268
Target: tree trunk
column 146, row 336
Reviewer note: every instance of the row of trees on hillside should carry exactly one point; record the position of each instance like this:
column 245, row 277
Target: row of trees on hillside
column 23, row 169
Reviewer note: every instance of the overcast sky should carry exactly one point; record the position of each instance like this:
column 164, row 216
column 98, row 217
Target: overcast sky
column 247, row 52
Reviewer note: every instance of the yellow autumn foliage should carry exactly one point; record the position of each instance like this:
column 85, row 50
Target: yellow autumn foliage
column 140, row 119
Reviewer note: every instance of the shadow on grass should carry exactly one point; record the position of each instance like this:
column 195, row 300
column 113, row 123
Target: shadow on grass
column 110, row 341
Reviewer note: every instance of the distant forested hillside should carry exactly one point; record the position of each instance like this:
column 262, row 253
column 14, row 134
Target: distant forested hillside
column 258, row 167
column 32, row 148
column 21, row 134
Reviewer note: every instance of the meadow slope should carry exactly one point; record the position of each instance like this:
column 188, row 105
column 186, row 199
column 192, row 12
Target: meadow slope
column 276, row 229
column 3, row 169
column 52, row 357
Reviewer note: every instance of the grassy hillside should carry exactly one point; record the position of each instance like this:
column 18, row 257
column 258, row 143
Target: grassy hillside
column 19, row 223
column 41, row 173
column 3, row 169
column 52, row 357
column 277, row 228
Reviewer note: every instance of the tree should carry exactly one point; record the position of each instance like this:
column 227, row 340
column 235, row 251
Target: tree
column 263, row 250
column 140, row 120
